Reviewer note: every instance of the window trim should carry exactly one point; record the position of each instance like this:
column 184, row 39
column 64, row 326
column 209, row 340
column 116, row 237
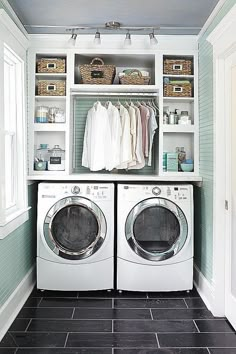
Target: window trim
column 12, row 38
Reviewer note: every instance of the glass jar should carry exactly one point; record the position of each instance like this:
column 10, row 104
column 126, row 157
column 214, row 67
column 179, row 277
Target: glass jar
column 41, row 158
column 51, row 114
column 56, row 159
column 41, row 114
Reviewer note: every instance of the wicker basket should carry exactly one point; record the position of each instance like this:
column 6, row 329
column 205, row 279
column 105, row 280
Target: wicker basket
column 131, row 79
column 178, row 90
column 98, row 74
column 178, row 66
column 51, row 65
column 51, row 88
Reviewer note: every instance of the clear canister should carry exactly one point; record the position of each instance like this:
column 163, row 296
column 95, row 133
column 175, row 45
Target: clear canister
column 56, row 159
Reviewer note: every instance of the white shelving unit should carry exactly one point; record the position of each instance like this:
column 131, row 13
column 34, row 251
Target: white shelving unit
column 169, row 136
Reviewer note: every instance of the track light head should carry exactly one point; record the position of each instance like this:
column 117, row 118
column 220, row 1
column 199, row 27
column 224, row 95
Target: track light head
column 127, row 41
column 153, row 40
column 97, row 38
column 72, row 39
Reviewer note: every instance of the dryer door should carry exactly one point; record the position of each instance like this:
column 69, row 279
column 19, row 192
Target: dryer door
column 74, row 228
column 156, row 229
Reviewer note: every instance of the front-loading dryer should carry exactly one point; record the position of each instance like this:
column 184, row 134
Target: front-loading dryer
column 155, row 237
column 75, row 236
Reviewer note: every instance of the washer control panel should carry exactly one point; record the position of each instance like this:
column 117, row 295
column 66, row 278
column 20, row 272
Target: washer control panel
column 87, row 190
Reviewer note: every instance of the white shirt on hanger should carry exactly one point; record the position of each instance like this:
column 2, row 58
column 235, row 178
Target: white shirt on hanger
column 139, row 141
column 97, row 139
column 116, row 132
column 125, row 144
column 133, row 133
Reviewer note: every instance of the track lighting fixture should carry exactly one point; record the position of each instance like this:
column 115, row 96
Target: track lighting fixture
column 97, row 38
column 72, row 39
column 113, row 27
column 127, row 41
column 153, row 40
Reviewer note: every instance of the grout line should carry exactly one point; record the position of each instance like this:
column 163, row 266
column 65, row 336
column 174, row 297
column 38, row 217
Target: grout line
column 196, row 326
column 112, row 326
column 112, row 303
column 158, row 344
column 28, row 324
column 185, row 303
column 208, row 350
column 151, row 314
column 67, row 335
column 73, row 312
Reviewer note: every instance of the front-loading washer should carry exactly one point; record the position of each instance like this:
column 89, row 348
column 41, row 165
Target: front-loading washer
column 75, row 236
column 155, row 237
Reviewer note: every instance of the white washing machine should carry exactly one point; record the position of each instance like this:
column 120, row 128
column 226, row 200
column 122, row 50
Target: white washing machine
column 155, row 237
column 75, row 241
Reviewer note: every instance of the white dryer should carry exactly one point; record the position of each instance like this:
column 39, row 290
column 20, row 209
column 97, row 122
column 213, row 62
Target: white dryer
column 75, row 240
column 155, row 237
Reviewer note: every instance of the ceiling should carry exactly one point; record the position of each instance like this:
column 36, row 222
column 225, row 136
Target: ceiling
column 172, row 16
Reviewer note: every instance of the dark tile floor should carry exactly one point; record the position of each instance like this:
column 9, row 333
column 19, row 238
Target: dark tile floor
column 112, row 323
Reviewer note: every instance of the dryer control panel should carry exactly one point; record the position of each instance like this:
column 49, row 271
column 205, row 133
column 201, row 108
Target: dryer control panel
column 173, row 192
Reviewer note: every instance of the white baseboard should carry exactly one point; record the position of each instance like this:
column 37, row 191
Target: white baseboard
column 14, row 303
column 204, row 288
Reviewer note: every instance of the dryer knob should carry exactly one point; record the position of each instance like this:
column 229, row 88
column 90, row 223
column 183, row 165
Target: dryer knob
column 156, row 190
column 75, row 190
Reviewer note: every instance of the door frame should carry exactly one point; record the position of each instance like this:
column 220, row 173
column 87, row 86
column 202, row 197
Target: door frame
column 223, row 41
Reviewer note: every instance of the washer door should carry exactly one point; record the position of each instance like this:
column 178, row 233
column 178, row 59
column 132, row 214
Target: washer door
column 156, row 229
column 74, row 228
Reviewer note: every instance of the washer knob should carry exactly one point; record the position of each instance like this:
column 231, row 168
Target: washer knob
column 75, row 190
column 156, row 190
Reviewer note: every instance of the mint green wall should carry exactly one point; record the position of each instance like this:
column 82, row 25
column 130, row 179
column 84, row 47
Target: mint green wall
column 204, row 196
column 17, row 251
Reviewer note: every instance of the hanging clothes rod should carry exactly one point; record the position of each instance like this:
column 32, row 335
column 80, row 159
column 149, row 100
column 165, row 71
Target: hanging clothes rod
column 143, row 94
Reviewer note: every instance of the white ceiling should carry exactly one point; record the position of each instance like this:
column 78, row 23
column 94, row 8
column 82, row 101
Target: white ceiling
column 173, row 16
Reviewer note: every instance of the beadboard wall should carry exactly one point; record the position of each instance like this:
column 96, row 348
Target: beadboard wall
column 81, row 108
column 18, row 251
column 204, row 196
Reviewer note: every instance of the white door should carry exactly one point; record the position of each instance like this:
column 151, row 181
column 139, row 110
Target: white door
column 230, row 265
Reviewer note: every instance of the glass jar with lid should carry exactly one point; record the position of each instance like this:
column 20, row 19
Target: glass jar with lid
column 56, row 159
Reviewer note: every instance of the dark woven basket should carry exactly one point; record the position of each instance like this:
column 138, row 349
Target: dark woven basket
column 178, row 90
column 98, row 74
column 51, row 65
column 177, row 67
column 51, row 88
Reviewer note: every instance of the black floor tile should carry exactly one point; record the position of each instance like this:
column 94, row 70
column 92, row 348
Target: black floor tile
column 63, row 351
column 25, row 339
column 67, row 302
column 19, row 324
column 178, row 314
column 174, row 294
column 162, row 351
column 33, row 302
column 70, row 326
column 214, row 326
column 224, row 340
column 127, row 340
column 114, row 294
column 28, row 312
column 7, row 350
column 154, row 326
column 130, row 314
column 51, row 293
column 223, row 351
column 150, row 303
column 193, row 303
column 8, row 341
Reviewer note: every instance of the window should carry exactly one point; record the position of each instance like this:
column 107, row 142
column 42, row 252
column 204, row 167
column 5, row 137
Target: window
column 13, row 203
